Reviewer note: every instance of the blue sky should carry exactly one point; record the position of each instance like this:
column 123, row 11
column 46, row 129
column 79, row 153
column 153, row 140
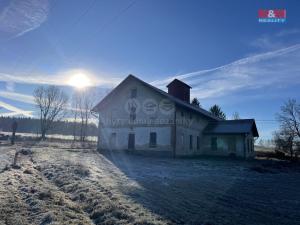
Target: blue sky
column 218, row 47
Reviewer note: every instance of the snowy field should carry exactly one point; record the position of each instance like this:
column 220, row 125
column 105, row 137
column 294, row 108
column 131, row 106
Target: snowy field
column 56, row 183
column 50, row 136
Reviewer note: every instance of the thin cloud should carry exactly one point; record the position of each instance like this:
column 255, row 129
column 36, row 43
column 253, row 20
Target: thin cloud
column 15, row 110
column 269, row 42
column 10, row 86
column 17, row 97
column 60, row 79
column 265, row 42
column 277, row 68
column 20, row 17
column 287, row 32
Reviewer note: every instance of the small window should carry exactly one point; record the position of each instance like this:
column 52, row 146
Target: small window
column 182, row 114
column 191, row 116
column 191, row 141
column 198, row 142
column 152, row 143
column 214, row 143
column 133, row 93
column 182, row 139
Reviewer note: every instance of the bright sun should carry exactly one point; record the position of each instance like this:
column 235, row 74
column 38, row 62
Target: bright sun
column 79, row 81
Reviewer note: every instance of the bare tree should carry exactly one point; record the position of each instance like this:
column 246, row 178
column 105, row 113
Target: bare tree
column 75, row 111
column 284, row 142
column 52, row 102
column 289, row 117
column 84, row 101
column 236, row 116
column 288, row 138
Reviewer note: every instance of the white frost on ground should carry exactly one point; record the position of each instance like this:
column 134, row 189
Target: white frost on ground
column 76, row 184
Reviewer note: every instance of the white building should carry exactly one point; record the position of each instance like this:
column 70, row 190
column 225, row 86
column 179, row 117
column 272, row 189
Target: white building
column 137, row 116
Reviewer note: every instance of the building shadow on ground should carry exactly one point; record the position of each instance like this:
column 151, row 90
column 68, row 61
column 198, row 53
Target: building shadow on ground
column 208, row 190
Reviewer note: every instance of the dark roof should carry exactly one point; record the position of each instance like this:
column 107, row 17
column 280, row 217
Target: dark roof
column 176, row 81
column 177, row 101
column 232, row 127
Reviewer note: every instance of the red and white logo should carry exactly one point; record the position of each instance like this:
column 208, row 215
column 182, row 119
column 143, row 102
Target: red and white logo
column 272, row 15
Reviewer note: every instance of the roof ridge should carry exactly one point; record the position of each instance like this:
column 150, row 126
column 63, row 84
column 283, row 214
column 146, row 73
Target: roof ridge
column 172, row 98
column 198, row 109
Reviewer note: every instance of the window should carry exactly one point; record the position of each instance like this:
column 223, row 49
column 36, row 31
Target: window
column 198, row 142
column 133, row 93
column 182, row 139
column 191, row 116
column 214, row 143
column 152, row 142
column 191, row 141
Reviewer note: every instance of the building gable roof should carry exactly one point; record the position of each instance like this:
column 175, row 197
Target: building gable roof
column 232, row 127
column 105, row 101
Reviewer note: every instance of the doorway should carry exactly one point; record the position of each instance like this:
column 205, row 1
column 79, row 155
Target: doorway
column 131, row 141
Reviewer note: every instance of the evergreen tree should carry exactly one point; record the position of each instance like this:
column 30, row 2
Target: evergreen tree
column 217, row 111
column 195, row 102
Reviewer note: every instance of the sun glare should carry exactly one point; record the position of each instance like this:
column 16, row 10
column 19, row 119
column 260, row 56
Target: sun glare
column 80, row 81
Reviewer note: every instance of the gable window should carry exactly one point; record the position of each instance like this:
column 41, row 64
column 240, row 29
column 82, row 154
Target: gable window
column 214, row 143
column 153, row 140
column 191, row 141
column 198, row 142
column 133, row 93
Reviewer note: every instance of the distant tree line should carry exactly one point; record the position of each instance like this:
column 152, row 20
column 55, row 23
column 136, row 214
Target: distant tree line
column 31, row 125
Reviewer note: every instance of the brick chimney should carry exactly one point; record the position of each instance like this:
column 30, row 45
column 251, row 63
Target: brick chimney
column 179, row 90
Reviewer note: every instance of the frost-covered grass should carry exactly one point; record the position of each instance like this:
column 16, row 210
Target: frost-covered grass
column 62, row 184
column 49, row 136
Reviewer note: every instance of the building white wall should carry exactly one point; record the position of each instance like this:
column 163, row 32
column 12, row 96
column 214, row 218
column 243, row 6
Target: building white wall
column 189, row 123
column 115, row 118
column 142, row 138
